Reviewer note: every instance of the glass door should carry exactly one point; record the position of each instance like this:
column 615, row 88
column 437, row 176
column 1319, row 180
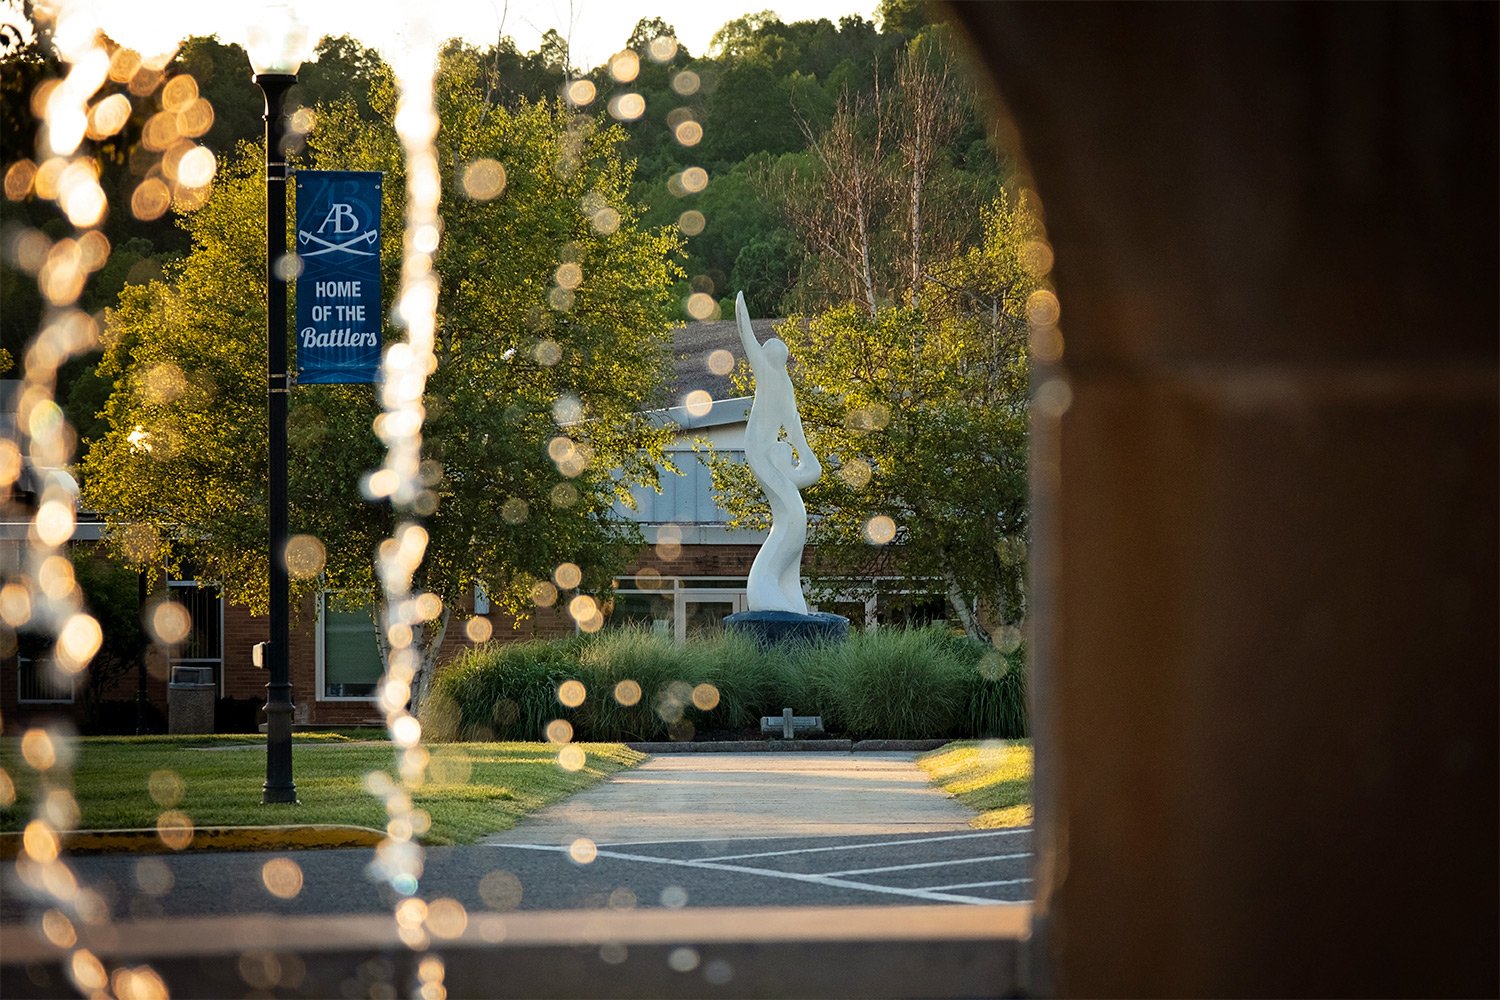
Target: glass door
column 700, row 612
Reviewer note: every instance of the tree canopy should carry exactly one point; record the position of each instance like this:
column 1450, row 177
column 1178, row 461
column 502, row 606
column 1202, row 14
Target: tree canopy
column 554, row 313
column 911, row 374
column 733, row 158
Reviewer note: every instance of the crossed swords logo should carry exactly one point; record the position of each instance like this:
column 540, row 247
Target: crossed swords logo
column 304, row 237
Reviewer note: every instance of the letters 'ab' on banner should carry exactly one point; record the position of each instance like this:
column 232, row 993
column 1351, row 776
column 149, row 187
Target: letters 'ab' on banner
column 338, row 291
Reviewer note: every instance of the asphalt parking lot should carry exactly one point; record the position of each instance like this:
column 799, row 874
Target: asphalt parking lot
column 972, row 867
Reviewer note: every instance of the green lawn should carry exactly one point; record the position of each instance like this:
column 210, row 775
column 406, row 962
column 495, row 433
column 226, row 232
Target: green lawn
column 993, row 776
column 472, row 789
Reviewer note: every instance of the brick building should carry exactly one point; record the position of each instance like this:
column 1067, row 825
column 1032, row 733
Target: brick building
column 690, row 575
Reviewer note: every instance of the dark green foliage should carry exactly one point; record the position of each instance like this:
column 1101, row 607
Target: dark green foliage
column 501, row 691
column 111, row 593
column 997, row 699
column 511, row 690
column 891, row 683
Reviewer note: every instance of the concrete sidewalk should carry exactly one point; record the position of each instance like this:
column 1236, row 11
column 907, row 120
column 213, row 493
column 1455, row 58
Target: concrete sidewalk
column 723, row 796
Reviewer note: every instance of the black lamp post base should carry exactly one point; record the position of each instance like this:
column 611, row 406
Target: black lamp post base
column 279, row 787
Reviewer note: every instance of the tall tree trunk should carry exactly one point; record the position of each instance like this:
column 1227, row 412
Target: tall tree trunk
column 432, row 645
column 866, row 270
column 967, row 614
column 428, row 640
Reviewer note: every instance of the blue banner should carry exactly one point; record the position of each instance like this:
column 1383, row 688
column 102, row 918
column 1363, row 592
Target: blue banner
column 338, row 291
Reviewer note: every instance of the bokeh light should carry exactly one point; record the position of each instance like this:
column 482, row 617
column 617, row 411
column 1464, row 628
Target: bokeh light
column 698, row 403
column 447, row 918
column 478, row 629
column 166, row 788
column 571, row 758
column 628, row 693
column 571, row 693
column 567, row 575
column 705, row 697
column 624, row 66
column 582, row 608
column 702, row 306
column 627, row 107
column 175, row 829
column 282, row 878
column 662, row 49
column 501, row 890
column 856, row 472
column 1042, row 308
column 880, row 530
column 305, row 556
column 719, row 361
column 484, row 179
column 514, row 510
column 581, row 93
column 169, row 622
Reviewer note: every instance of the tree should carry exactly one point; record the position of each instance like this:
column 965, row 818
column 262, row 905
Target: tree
column 913, row 376
column 648, row 30
column 112, row 595
column 886, row 195
column 554, row 314
column 343, row 67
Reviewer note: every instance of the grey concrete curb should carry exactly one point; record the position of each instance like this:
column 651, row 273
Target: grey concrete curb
column 789, row 746
column 302, row 837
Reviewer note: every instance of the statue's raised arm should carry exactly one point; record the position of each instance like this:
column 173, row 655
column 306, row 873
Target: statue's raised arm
column 753, row 351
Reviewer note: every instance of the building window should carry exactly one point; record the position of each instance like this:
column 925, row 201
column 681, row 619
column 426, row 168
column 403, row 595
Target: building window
column 912, row 609
column 204, row 644
column 683, row 608
column 859, row 610
column 642, row 609
column 349, row 664
column 38, row 684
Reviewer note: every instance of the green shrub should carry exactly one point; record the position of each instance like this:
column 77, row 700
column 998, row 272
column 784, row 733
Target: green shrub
column 890, row 683
column 511, row 690
column 997, row 696
column 656, row 665
column 500, row 691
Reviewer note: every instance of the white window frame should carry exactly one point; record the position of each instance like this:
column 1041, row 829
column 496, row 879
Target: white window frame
column 695, row 588
column 692, row 588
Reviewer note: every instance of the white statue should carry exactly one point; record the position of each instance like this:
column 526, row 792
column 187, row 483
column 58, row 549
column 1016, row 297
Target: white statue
column 776, row 575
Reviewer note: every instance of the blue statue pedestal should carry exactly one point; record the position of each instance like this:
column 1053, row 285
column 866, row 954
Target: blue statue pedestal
column 783, row 628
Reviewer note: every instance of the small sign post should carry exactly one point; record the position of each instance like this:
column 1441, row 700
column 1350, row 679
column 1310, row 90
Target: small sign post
column 338, row 291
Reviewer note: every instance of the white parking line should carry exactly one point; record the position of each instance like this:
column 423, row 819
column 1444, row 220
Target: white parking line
column 856, row 847
column 977, row 885
column 930, row 864
column 828, row 880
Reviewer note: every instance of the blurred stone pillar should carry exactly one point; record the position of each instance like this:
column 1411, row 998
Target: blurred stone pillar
column 1265, row 548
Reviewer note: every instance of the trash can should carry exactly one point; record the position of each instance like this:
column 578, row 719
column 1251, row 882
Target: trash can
column 190, row 700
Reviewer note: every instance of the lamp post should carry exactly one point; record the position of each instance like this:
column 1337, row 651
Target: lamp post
column 276, row 43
